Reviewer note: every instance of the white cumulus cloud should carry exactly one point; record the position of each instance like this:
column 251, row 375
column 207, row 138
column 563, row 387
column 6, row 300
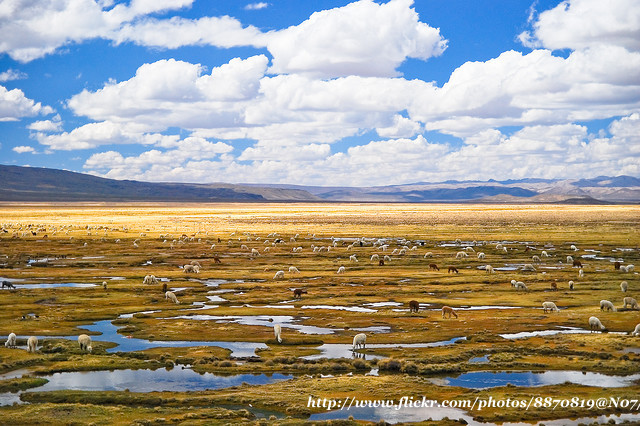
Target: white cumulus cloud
column 362, row 38
column 14, row 105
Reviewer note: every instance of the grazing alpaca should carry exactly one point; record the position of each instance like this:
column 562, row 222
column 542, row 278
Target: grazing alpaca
column 630, row 301
column 448, row 310
column 636, row 331
column 11, row 341
column 359, row 340
column 85, row 343
column 624, row 286
column 581, row 273
column 595, row 324
column 577, row 263
column 554, row 287
column 549, row 306
column 7, row 284
column 616, row 266
column 32, row 344
column 298, row 292
column 489, row 269
column 414, row 306
column 434, row 266
column 452, row 269
column 381, row 262
column 341, row 270
column 606, row 305
column 279, row 275
column 171, row 296
column 164, row 287
column 571, row 285
column 277, row 330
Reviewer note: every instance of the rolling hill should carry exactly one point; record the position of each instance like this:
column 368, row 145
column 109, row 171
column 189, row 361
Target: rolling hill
column 50, row 185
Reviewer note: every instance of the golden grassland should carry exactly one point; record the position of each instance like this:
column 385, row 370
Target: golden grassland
column 93, row 243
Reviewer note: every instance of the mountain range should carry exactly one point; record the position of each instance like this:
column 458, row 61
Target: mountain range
column 50, row 185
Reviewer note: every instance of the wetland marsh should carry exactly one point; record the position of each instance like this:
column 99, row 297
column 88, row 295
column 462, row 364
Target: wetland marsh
column 80, row 268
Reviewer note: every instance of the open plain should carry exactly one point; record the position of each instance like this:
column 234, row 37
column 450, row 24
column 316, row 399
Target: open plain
column 80, row 269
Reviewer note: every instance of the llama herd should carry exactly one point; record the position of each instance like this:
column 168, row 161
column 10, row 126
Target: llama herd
column 382, row 259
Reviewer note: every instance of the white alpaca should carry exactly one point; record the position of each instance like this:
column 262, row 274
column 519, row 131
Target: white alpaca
column 375, row 258
column 571, row 284
column 387, row 258
column 469, row 249
column 171, row 296
column 191, row 269
column 544, row 254
column 277, row 330
column 636, row 331
column 32, row 344
column 359, row 341
column 461, row 255
column 341, row 270
column 489, row 269
column 594, row 324
column 244, row 247
column 549, row 306
column 11, row 341
column 569, row 259
column 519, row 285
column 528, row 267
column 574, row 248
column 85, row 343
column 481, row 255
column 279, row 275
column 150, row 279
column 606, row 305
column 581, row 273
column 535, row 258
column 293, row 270
column 624, row 286
column 353, row 258
column 255, row 252
column 623, row 268
column 630, row 301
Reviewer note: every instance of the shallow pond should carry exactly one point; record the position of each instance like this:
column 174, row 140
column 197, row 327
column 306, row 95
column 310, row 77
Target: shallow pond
column 341, row 350
column 393, row 415
column 487, row 379
column 56, row 285
column 128, row 344
column 175, row 380
column 407, row 414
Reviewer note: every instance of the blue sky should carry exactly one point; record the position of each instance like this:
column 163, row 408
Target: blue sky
column 321, row 93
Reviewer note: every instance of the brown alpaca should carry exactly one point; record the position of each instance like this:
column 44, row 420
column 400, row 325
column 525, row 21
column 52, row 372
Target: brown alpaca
column 216, row 259
column 554, row 286
column 452, row 269
column 298, row 292
column 448, row 310
column 381, row 262
column 434, row 266
column 414, row 306
column 616, row 266
column 164, row 287
column 577, row 263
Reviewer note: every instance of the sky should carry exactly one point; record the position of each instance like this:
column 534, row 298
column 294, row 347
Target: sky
column 328, row 93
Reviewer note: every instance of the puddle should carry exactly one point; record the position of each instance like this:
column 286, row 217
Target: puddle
column 175, row 380
column 341, row 350
column 286, row 321
column 484, row 379
column 393, row 415
column 341, row 308
column 411, row 415
column 77, row 285
column 91, row 257
column 383, row 304
column 561, row 330
column 479, row 360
